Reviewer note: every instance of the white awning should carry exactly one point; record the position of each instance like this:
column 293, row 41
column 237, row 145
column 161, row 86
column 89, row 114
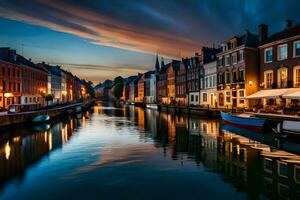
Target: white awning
column 293, row 95
column 273, row 93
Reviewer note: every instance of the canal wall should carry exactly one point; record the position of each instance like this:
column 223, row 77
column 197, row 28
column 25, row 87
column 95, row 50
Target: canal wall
column 24, row 117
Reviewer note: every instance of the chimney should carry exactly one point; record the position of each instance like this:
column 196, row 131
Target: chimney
column 262, row 32
column 247, row 32
column 289, row 24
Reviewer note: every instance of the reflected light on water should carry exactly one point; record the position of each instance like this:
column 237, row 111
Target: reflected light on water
column 7, row 150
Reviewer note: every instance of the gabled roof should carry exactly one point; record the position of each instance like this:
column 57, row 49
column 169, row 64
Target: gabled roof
column 148, row 74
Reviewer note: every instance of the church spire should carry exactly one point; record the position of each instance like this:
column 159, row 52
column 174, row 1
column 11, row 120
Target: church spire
column 162, row 62
column 157, row 67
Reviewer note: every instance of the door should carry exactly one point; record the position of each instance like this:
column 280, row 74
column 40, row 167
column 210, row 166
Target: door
column 212, row 100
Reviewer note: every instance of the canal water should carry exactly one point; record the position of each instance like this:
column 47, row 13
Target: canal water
column 132, row 153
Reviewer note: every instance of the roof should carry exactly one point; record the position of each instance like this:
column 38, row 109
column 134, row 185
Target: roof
column 286, row 33
column 148, row 74
column 273, row 93
column 23, row 61
column 55, row 70
column 247, row 39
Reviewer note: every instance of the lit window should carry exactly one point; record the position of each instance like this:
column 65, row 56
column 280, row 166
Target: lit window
column 282, row 52
column 241, row 93
column 297, row 76
column 268, row 78
column 268, row 55
column 282, row 77
column 297, row 48
column 228, row 97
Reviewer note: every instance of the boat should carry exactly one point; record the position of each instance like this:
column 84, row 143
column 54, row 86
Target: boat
column 244, row 121
column 152, row 106
column 289, row 128
column 40, row 119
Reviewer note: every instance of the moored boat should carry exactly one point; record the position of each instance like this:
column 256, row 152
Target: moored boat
column 244, row 121
column 40, row 119
column 289, row 129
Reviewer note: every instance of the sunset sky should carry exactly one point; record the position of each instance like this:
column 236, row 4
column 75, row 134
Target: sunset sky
column 97, row 40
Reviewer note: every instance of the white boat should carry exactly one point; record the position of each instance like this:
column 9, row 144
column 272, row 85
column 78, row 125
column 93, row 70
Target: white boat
column 289, row 128
column 152, row 106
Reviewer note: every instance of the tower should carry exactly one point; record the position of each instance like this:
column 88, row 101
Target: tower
column 157, row 67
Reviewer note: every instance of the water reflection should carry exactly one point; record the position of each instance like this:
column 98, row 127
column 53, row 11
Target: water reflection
column 21, row 148
column 118, row 145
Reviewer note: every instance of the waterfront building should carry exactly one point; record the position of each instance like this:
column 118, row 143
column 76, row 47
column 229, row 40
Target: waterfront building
column 54, row 81
column 171, row 71
column 10, row 78
column 132, row 89
column 103, row 91
column 161, row 86
column 279, row 67
column 180, row 85
column 150, row 87
column 126, row 90
column 34, row 82
column 63, row 86
column 238, row 71
column 193, row 79
column 208, row 84
column 141, row 89
column 70, row 86
column 208, row 79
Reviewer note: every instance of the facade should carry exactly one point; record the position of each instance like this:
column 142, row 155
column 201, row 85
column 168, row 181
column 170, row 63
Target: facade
column 208, row 84
column 180, row 85
column 103, row 91
column 54, row 81
column 238, row 71
column 34, row 82
column 140, row 90
column 171, row 74
column 70, row 87
column 161, row 86
column 193, row 79
column 280, row 65
column 10, row 75
column 150, row 87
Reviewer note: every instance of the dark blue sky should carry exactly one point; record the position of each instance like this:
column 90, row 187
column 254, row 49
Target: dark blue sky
column 102, row 39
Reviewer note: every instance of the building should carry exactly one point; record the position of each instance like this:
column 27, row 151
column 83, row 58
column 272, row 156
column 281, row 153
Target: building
column 181, row 96
column 103, row 91
column 208, row 79
column 193, row 79
column 279, row 66
column 150, row 87
column 10, row 75
column 34, row 82
column 161, row 85
column 126, row 90
column 238, row 71
column 208, row 86
column 54, row 81
column 171, row 74
column 140, row 90
column 70, row 87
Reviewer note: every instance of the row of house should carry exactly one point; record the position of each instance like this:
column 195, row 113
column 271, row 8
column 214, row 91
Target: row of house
column 245, row 71
column 24, row 82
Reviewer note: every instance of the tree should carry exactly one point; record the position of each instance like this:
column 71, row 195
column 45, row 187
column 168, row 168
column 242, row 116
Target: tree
column 117, row 88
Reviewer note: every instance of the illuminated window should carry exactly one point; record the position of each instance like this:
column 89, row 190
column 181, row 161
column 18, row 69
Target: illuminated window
column 282, row 77
column 268, row 55
column 204, row 97
column 282, row 52
column 228, row 97
column 268, row 78
column 297, row 76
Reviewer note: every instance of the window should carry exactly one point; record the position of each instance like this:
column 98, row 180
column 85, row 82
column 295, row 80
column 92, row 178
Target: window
column 227, row 77
column 228, row 97
column 282, row 52
column 3, row 71
column 241, row 55
column 268, row 55
column 196, row 98
column 221, row 99
column 227, row 60
column 282, row 77
column 234, row 58
column 204, row 97
column 192, row 97
column 26, row 100
column 214, row 80
column 268, row 78
column 241, row 93
column 296, row 48
column 242, row 75
column 3, row 85
column 297, row 76
column 234, row 76
column 241, row 101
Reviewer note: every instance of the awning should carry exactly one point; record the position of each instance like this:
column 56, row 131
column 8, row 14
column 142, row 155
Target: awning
column 292, row 95
column 273, row 93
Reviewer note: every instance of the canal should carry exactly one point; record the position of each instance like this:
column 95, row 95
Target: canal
column 132, row 153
